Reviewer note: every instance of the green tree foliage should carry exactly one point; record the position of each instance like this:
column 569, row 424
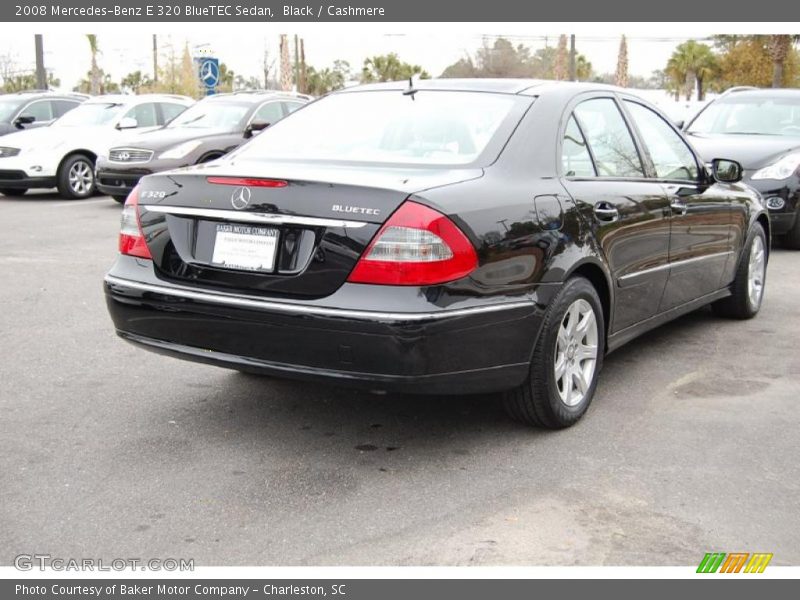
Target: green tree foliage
column 691, row 65
column 389, row 67
column 323, row 81
column 135, row 81
column 503, row 59
column 750, row 60
column 25, row 81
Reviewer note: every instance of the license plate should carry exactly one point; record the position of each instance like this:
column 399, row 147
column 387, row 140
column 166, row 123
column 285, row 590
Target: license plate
column 245, row 247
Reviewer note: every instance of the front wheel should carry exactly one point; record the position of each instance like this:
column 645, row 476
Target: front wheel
column 76, row 177
column 747, row 289
column 566, row 360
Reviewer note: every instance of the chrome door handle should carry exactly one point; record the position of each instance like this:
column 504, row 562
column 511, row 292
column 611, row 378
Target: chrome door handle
column 606, row 212
column 678, row 206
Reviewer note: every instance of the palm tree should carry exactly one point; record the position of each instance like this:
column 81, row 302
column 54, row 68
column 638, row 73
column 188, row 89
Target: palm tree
column 691, row 65
column 94, row 72
column 779, row 47
column 621, row 75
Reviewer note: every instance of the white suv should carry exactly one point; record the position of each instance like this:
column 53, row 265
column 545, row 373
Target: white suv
column 63, row 155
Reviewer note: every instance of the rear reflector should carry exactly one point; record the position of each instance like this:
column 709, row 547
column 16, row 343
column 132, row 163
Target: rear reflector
column 131, row 238
column 416, row 246
column 248, row 181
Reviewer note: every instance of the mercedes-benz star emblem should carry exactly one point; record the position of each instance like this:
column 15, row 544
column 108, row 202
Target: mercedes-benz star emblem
column 240, row 198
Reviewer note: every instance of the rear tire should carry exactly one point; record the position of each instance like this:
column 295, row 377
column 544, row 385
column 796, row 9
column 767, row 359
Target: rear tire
column 120, row 199
column 13, row 191
column 747, row 289
column 76, row 177
column 566, row 360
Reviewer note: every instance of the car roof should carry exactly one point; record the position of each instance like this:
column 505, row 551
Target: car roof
column 760, row 93
column 33, row 94
column 256, row 96
column 527, row 87
column 134, row 98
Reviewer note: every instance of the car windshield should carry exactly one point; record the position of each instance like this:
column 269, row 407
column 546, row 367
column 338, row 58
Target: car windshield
column 428, row 128
column 87, row 115
column 8, row 109
column 754, row 115
column 211, row 115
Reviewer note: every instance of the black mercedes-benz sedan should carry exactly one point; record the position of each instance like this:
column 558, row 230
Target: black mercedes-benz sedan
column 761, row 130
column 209, row 129
column 441, row 236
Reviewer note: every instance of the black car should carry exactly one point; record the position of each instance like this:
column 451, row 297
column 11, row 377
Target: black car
column 26, row 110
column 761, row 130
column 209, row 129
column 457, row 236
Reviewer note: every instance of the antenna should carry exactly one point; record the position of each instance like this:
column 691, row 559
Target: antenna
column 411, row 90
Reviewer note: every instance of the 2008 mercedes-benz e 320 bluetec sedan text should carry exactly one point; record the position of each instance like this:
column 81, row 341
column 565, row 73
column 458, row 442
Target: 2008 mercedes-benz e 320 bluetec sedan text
column 440, row 237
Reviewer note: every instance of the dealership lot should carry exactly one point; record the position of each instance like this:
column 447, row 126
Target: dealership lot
column 108, row 451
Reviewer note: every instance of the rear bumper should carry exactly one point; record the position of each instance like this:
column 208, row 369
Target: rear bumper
column 475, row 348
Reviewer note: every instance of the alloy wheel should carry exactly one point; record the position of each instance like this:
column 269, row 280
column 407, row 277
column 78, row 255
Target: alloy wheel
column 81, row 177
column 576, row 352
column 756, row 271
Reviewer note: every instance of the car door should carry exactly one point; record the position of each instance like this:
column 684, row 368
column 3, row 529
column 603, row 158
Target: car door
column 603, row 171
column 700, row 241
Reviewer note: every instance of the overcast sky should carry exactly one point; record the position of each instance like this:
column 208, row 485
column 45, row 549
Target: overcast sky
column 67, row 51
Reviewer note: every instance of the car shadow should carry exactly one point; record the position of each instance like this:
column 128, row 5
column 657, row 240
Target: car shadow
column 320, row 417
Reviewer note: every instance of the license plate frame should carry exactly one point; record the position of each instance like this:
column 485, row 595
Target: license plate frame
column 243, row 247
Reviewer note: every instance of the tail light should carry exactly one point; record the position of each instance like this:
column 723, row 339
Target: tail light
column 416, row 246
column 131, row 238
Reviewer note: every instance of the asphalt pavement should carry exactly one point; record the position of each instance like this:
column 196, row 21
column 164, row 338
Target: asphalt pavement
column 691, row 444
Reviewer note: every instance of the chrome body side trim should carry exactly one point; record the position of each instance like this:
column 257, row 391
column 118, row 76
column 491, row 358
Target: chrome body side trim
column 255, row 303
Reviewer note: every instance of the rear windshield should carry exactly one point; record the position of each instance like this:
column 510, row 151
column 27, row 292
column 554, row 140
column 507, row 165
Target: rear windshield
column 428, row 128
column 754, row 115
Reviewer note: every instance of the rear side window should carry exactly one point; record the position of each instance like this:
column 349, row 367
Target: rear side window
column 388, row 127
column 290, row 107
column 671, row 156
column 575, row 158
column 64, row 106
column 612, row 145
column 169, row 111
column 269, row 113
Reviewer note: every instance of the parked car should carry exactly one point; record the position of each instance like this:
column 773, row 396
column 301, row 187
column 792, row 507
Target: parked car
column 761, row 130
column 457, row 236
column 34, row 108
column 63, row 155
column 209, row 129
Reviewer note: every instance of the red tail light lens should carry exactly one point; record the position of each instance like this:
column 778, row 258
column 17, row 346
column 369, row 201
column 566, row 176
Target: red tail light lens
column 416, row 246
column 131, row 238
column 248, row 181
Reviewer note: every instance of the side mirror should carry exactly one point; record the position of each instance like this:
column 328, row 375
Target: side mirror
column 127, row 123
column 254, row 127
column 726, row 171
column 24, row 120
